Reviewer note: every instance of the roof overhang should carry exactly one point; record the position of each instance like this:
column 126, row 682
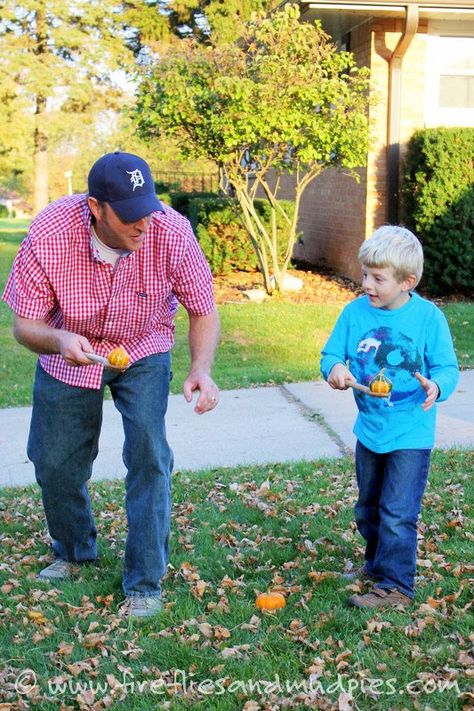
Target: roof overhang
column 340, row 16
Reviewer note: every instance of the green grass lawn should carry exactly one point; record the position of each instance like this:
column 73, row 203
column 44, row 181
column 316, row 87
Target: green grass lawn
column 272, row 342
column 13, row 230
column 237, row 532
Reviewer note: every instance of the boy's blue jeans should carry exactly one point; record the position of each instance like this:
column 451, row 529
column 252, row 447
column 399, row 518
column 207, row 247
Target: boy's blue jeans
column 63, row 444
column 391, row 487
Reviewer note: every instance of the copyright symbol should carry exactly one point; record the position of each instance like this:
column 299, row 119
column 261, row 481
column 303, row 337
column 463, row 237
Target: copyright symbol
column 25, row 682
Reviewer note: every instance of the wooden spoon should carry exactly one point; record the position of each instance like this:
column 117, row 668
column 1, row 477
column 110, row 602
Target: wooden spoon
column 364, row 389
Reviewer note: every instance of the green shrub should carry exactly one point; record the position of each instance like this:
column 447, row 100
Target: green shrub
column 180, row 200
column 222, row 236
column 163, row 186
column 164, row 197
column 438, row 192
column 4, row 211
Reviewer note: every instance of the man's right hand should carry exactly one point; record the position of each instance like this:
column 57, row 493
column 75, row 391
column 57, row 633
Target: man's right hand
column 73, row 348
column 38, row 337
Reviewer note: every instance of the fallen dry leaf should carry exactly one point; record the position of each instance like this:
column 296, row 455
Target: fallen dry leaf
column 317, row 576
column 234, row 651
column 206, row 629
column 37, row 617
column 344, row 702
column 65, row 649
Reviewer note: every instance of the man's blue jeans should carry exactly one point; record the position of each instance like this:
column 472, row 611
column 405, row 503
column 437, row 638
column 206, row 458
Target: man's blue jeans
column 391, row 487
column 63, row 444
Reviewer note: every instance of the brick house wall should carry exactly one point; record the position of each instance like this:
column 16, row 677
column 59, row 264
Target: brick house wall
column 337, row 213
column 385, row 34
column 332, row 220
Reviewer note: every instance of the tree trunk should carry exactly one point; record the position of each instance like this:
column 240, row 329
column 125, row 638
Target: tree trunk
column 40, row 182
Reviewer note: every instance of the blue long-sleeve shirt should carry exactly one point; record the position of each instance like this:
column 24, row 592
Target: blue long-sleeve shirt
column 403, row 341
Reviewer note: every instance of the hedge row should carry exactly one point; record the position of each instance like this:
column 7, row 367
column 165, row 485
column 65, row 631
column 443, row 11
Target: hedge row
column 219, row 229
column 438, row 197
column 438, row 191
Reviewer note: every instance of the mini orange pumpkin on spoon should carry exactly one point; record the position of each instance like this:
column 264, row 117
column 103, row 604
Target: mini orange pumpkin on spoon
column 380, row 384
column 118, row 357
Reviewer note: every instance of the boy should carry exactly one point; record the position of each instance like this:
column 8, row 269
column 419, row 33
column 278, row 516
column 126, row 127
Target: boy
column 394, row 329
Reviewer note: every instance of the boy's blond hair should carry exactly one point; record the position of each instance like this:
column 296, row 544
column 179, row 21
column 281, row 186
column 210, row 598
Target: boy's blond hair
column 396, row 247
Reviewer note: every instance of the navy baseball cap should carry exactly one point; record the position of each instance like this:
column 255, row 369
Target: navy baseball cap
column 124, row 181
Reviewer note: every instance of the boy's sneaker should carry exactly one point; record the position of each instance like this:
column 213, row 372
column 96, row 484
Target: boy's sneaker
column 141, row 606
column 59, row 570
column 380, row 597
column 358, row 574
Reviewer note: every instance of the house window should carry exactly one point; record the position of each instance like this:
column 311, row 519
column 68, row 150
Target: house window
column 449, row 81
column 456, row 91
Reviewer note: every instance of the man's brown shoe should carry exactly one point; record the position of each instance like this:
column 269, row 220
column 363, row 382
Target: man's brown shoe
column 379, row 597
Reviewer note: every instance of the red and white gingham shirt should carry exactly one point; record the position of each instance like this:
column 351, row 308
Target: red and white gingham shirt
column 58, row 277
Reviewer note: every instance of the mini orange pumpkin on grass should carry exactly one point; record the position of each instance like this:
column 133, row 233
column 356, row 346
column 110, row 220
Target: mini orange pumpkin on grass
column 380, row 384
column 270, row 601
column 118, row 357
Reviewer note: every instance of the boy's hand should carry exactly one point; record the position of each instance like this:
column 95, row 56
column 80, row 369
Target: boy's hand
column 338, row 376
column 431, row 390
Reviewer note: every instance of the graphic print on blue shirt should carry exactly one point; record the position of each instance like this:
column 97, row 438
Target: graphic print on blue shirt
column 400, row 359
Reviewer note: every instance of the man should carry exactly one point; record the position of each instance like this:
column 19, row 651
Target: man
column 97, row 271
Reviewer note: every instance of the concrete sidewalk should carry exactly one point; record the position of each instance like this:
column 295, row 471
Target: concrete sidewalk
column 299, row 421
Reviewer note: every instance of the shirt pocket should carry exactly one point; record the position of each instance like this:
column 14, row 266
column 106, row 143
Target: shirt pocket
column 136, row 313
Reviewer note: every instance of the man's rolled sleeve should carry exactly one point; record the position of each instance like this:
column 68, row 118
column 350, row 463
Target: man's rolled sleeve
column 28, row 291
column 192, row 281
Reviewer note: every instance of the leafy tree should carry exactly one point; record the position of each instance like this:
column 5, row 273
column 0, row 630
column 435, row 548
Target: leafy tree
column 61, row 59
column 75, row 145
column 16, row 144
column 281, row 100
column 212, row 21
column 58, row 82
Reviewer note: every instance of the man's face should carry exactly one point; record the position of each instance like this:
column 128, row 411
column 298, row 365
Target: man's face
column 115, row 233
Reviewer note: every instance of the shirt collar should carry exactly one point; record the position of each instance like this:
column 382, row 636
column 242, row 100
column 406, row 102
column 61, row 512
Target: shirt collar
column 85, row 239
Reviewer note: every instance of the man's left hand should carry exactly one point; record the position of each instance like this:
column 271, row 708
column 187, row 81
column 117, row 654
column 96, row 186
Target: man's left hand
column 208, row 391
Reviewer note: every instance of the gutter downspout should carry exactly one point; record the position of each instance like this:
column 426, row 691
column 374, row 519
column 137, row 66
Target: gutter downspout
column 394, row 110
